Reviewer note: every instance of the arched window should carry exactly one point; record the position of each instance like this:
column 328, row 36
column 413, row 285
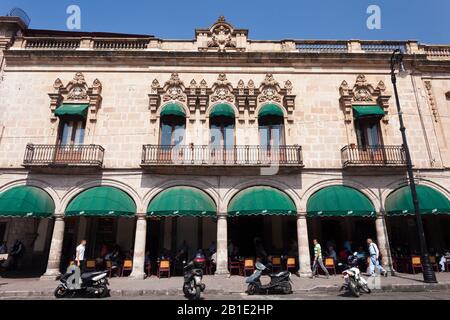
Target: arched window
column 221, row 125
column 271, row 126
column 172, row 125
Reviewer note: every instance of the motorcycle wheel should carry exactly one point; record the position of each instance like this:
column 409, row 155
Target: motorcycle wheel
column 353, row 288
column 61, row 292
column 366, row 288
column 196, row 296
column 251, row 289
column 103, row 291
column 287, row 288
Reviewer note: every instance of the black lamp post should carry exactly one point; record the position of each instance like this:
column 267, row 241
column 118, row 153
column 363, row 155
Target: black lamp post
column 428, row 272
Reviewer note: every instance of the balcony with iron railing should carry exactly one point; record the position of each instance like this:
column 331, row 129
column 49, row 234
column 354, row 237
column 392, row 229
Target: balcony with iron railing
column 287, row 158
column 373, row 156
column 63, row 156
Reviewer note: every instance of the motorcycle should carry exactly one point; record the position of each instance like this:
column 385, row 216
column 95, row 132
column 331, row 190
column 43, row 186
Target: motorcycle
column 88, row 283
column 280, row 283
column 193, row 275
column 354, row 283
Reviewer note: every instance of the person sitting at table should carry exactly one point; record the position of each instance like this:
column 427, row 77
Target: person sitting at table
column 3, row 248
column 212, row 248
column 259, row 249
column 182, row 254
column 332, row 253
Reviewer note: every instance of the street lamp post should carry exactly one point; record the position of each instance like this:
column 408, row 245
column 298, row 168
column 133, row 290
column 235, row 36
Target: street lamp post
column 428, row 272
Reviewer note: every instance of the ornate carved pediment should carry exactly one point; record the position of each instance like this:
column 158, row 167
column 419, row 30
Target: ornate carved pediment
column 76, row 91
column 270, row 90
column 222, row 90
column 220, row 37
column 174, row 89
column 363, row 93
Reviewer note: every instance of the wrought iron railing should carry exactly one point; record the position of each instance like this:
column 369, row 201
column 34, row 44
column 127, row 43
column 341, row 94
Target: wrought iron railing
column 75, row 155
column 373, row 156
column 222, row 156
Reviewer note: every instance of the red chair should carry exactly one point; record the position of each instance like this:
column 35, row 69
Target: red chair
column 127, row 266
column 249, row 265
column 164, row 267
column 90, row 266
column 276, row 264
column 416, row 264
column 234, row 265
column 330, row 265
column 109, row 267
column 433, row 263
column 291, row 264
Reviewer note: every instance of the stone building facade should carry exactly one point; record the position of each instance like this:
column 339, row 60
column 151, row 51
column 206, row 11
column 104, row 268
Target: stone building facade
column 125, row 87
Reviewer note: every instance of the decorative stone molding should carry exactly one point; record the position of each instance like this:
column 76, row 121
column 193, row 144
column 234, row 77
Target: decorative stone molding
column 221, row 37
column 363, row 93
column 200, row 96
column 76, row 91
column 222, row 90
column 431, row 100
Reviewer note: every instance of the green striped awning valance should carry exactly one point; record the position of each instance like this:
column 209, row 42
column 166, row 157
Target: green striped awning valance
column 222, row 110
column 68, row 109
column 270, row 109
column 173, row 109
column 26, row 201
column 367, row 111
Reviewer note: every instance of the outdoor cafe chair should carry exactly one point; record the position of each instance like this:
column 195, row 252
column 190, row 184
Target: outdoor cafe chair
column 164, row 268
column 127, row 266
column 90, row 265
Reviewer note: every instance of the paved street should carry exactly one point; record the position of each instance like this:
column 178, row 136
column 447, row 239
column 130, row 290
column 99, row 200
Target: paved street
column 443, row 295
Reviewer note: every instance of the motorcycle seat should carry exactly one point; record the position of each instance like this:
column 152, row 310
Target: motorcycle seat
column 88, row 275
column 279, row 274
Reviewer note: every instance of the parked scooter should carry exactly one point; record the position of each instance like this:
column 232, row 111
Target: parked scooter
column 85, row 284
column 193, row 275
column 280, row 283
column 354, row 283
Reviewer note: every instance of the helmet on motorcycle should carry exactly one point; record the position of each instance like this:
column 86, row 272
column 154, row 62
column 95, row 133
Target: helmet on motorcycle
column 199, row 260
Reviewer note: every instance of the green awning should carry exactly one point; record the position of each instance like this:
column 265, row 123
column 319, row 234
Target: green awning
column 68, row 109
column 339, row 201
column 102, row 201
column 26, row 201
column 182, row 201
column 261, row 201
column 431, row 201
column 173, row 109
column 367, row 111
column 270, row 110
column 222, row 110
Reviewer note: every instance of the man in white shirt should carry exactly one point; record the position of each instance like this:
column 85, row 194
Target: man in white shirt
column 374, row 259
column 79, row 255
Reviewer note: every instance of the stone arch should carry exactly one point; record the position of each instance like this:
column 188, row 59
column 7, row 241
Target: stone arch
column 38, row 184
column 374, row 199
column 78, row 189
column 258, row 183
column 404, row 182
column 207, row 188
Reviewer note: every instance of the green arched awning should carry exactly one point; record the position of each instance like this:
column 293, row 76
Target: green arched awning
column 270, row 109
column 431, row 201
column 70, row 109
column 26, row 201
column 173, row 109
column 222, row 110
column 261, row 201
column 339, row 201
column 367, row 111
column 102, row 201
column 182, row 201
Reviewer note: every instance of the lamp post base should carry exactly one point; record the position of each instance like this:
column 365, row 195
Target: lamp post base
column 429, row 276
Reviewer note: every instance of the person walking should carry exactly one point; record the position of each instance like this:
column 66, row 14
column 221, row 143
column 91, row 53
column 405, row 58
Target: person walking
column 79, row 255
column 318, row 260
column 374, row 259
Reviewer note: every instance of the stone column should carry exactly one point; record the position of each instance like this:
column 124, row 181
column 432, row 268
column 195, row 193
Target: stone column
column 139, row 248
column 222, row 246
column 383, row 243
column 54, row 257
column 303, row 246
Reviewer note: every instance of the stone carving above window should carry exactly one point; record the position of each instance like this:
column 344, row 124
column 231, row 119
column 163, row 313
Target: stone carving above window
column 222, row 90
column 198, row 95
column 76, row 91
column 363, row 93
column 221, row 37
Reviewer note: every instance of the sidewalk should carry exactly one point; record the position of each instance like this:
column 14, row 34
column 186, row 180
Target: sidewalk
column 220, row 285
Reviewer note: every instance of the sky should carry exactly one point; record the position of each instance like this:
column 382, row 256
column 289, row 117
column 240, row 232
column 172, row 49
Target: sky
column 425, row 21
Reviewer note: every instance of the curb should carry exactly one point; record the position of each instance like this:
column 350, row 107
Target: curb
column 176, row 292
